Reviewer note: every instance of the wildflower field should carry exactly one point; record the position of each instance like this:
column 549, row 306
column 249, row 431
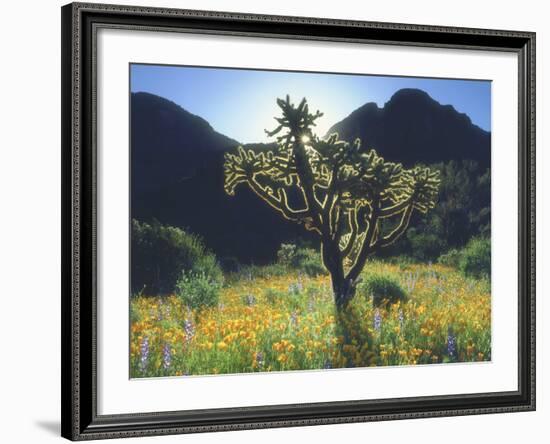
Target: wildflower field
column 289, row 322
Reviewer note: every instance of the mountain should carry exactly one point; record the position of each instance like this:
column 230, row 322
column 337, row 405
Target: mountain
column 177, row 178
column 177, row 167
column 169, row 143
column 412, row 127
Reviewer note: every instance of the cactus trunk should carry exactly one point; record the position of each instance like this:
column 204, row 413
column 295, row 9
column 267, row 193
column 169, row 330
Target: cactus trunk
column 343, row 290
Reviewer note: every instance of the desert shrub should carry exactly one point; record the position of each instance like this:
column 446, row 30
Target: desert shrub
column 451, row 258
column 159, row 254
column 313, row 267
column 286, row 254
column 309, row 261
column 383, row 289
column 306, row 260
column 198, row 290
column 475, row 260
column 208, row 265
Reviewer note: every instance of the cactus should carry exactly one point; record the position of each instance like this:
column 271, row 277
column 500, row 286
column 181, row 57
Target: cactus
column 345, row 192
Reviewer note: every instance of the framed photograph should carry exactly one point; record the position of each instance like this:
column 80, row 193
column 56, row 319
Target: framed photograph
column 280, row 221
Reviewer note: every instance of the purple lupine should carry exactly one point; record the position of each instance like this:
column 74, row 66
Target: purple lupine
column 411, row 280
column 377, row 320
column 296, row 287
column 249, row 300
column 401, row 318
column 144, row 353
column 166, row 311
column 260, row 359
column 451, row 344
column 294, row 318
column 189, row 329
column 159, row 311
column 166, row 356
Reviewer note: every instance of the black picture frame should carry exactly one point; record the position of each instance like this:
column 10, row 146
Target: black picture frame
column 80, row 420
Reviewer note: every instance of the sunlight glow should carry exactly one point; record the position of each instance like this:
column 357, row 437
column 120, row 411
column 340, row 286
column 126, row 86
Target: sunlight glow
column 211, row 93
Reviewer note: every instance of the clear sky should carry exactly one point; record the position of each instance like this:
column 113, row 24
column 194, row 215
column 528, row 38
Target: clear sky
column 241, row 103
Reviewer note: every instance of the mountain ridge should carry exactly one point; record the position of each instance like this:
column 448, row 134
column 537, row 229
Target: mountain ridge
column 413, row 127
column 177, row 170
column 182, row 141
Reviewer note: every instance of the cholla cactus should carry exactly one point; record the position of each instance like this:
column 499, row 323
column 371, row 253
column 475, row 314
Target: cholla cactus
column 345, row 192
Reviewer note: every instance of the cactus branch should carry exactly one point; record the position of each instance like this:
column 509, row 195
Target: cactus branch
column 354, row 229
column 280, row 203
column 398, row 231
